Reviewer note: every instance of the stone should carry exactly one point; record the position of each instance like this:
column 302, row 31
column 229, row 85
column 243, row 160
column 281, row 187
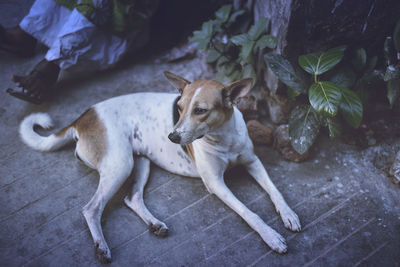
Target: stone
column 279, row 108
column 183, row 52
column 259, row 133
column 282, row 144
column 248, row 106
column 394, row 171
column 281, row 136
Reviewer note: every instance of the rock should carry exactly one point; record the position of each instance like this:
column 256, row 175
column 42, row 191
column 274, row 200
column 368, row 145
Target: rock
column 362, row 137
column 248, row 106
column 394, row 171
column 282, row 144
column 259, row 133
column 279, row 108
column 186, row 51
column 281, row 136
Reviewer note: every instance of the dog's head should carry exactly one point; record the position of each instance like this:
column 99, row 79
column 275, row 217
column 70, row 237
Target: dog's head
column 204, row 106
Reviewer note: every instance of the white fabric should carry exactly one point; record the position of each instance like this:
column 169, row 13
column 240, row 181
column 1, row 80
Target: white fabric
column 74, row 42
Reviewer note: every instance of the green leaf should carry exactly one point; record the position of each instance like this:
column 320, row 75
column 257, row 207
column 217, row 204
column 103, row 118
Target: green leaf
column 266, row 41
column 222, row 14
column 235, row 15
column 258, row 28
column 228, row 68
column 366, row 84
column 303, row 128
column 240, row 39
column 203, row 37
column 351, row 107
column 234, row 76
column 359, row 59
column 197, row 37
column 219, row 46
column 220, row 76
column 325, row 97
column 292, row 94
column 334, row 127
column 286, row 72
column 222, row 60
column 249, row 72
column 207, row 29
column 212, row 56
column 396, row 36
column 393, row 91
column 371, row 64
column 318, row 63
column 246, row 50
column 343, row 77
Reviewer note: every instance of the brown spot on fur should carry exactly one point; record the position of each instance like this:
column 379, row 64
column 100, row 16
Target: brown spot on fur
column 63, row 131
column 189, row 150
column 91, row 137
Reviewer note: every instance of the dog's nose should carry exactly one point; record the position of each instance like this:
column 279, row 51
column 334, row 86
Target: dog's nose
column 174, row 137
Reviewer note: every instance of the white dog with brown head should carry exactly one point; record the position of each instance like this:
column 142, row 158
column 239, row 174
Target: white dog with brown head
column 208, row 135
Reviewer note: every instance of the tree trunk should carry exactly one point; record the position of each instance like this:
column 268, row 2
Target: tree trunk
column 314, row 25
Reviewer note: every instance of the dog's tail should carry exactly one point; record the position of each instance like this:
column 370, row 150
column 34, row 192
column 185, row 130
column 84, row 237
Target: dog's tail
column 44, row 143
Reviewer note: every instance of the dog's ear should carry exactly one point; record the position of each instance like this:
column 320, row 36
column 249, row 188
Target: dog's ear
column 176, row 81
column 237, row 89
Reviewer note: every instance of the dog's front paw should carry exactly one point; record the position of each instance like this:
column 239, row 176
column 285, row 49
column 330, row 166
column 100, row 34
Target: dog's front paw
column 274, row 240
column 290, row 220
column 159, row 229
column 102, row 252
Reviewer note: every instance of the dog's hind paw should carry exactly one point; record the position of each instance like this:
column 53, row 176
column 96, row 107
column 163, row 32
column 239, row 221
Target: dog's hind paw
column 103, row 254
column 159, row 229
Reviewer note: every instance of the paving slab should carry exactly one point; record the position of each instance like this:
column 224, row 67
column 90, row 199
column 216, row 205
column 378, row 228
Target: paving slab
column 349, row 209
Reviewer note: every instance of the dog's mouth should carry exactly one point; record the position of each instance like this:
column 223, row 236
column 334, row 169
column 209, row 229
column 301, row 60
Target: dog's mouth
column 177, row 139
column 185, row 144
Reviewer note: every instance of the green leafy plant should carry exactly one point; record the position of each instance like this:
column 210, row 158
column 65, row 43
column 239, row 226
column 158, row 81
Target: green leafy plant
column 332, row 91
column 232, row 45
column 392, row 74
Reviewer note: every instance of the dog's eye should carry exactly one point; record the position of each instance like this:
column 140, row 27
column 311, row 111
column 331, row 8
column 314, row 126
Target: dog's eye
column 199, row 111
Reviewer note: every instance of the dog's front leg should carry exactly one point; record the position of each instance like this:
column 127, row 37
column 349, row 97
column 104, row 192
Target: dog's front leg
column 212, row 176
column 289, row 217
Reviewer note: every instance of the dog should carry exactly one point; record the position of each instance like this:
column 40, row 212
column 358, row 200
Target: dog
column 207, row 135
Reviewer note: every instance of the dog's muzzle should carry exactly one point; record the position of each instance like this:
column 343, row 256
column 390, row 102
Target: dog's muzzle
column 174, row 137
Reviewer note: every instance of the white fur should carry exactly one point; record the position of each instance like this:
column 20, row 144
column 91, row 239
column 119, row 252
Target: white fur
column 36, row 141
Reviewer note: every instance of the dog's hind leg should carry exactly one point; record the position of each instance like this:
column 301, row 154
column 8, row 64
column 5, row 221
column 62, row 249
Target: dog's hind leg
column 289, row 217
column 136, row 202
column 114, row 170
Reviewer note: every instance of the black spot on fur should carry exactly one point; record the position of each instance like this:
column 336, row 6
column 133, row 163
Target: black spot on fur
column 175, row 110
